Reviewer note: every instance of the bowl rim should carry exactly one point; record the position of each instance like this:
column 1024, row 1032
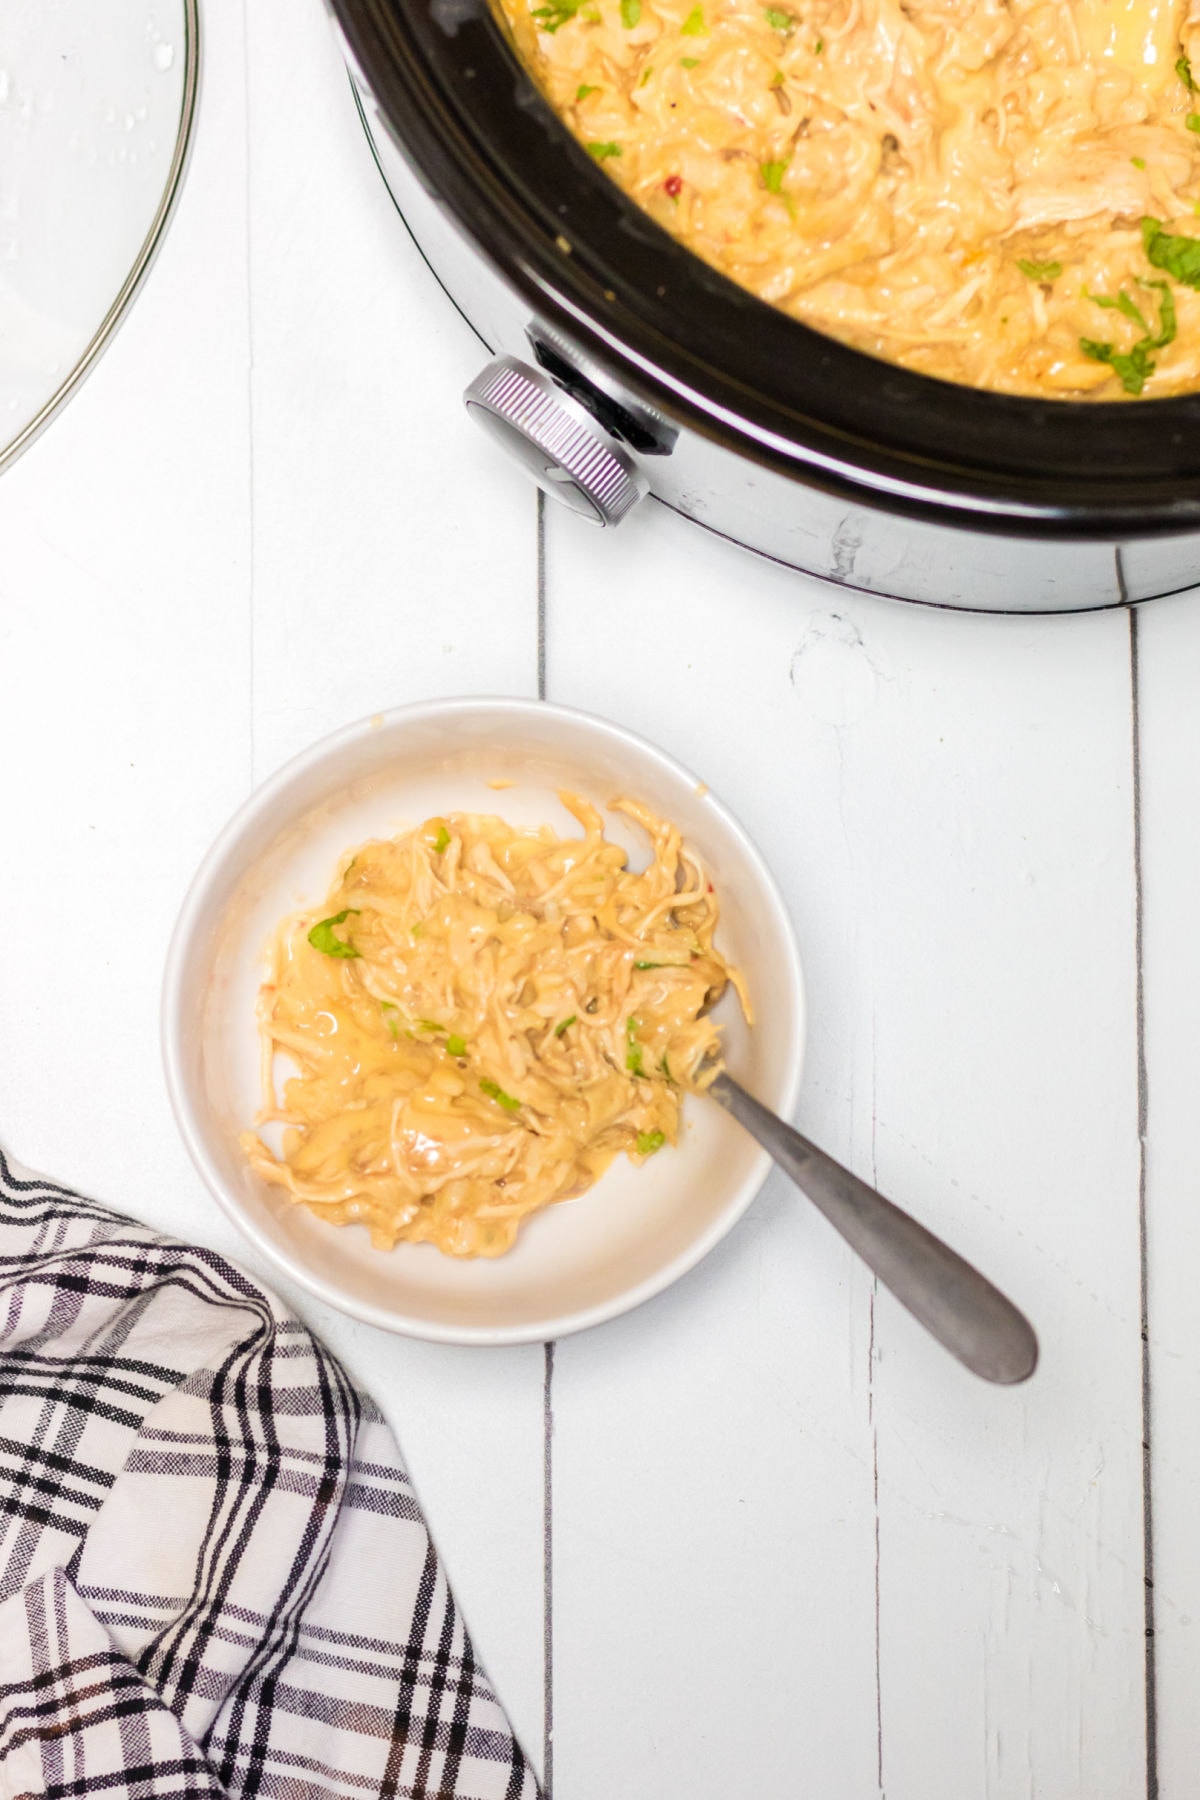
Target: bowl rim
column 173, row 1024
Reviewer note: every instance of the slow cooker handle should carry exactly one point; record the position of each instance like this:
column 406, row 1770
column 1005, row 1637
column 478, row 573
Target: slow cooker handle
column 555, row 441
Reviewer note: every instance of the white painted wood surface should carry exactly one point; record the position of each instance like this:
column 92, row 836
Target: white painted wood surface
column 794, row 1551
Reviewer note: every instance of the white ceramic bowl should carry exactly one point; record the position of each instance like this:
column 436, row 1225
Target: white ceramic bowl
column 583, row 1260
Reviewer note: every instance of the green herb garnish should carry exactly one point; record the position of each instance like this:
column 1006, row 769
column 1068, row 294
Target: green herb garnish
column 1178, row 255
column 386, row 1007
column 1124, row 305
column 1039, row 271
column 1183, row 69
column 428, row 1025
column 818, row 46
column 633, row 1053
column 602, row 151
column 553, row 17
column 693, row 25
column 1139, row 162
column 773, row 174
column 584, row 89
column 1134, row 367
column 649, row 1141
column 418, row 930
column 779, row 20
column 456, row 1045
column 566, row 1025
column 689, row 62
column 441, row 842
column 1193, row 121
column 631, row 12
column 497, row 1093
column 647, row 72
column 321, row 936
column 1166, row 314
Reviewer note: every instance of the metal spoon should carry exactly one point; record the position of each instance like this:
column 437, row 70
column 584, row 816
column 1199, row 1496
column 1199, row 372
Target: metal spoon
column 951, row 1299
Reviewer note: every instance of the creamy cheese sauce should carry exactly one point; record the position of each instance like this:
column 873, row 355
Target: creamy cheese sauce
column 998, row 192
column 480, row 1019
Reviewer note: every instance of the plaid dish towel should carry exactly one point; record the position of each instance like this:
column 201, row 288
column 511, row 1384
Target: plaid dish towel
column 214, row 1577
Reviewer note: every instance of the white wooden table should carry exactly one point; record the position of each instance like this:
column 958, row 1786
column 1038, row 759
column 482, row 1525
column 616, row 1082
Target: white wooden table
column 760, row 1537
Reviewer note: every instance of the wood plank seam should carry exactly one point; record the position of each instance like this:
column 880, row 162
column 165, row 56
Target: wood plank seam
column 548, row 1381
column 1151, row 1695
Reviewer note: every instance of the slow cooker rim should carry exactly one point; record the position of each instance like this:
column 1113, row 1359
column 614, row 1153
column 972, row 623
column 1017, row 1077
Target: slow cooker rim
column 411, row 58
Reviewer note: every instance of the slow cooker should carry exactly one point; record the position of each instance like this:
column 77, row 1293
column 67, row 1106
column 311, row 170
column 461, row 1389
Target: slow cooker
column 623, row 368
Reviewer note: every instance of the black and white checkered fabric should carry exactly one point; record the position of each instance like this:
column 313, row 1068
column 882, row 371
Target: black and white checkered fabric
column 214, row 1578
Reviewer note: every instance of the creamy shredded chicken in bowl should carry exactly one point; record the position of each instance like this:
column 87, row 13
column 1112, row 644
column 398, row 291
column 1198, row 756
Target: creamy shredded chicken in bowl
column 1002, row 193
column 432, row 1076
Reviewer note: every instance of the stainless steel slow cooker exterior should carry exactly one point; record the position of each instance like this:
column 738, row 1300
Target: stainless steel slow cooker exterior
column 599, row 423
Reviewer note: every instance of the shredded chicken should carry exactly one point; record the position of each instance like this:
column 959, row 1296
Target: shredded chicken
column 954, row 185
column 481, row 1019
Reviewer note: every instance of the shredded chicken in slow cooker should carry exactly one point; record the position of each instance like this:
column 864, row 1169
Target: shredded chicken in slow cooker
column 998, row 192
column 482, row 1019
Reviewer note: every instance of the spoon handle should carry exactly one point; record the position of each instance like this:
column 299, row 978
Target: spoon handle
column 952, row 1300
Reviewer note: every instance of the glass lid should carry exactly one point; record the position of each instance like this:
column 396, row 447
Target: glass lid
column 96, row 109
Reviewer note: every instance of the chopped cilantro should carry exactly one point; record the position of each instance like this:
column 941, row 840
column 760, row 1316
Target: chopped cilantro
column 602, row 151
column 584, row 89
column 631, row 12
column 773, row 174
column 1179, row 256
column 780, row 20
column 494, row 1092
column 1139, row 162
column 1124, row 305
column 665, row 1070
column 456, row 1045
column 1166, row 314
column 418, row 930
column 647, row 72
column 393, row 1025
column 689, row 62
column 441, row 842
column 553, row 17
column 1039, row 271
column 566, row 1025
column 693, row 25
column 818, row 46
column 428, row 1025
column 777, row 79
column 1133, row 368
column 633, row 1053
column 1193, row 121
column 1183, row 69
column 649, row 1141
column 321, row 936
